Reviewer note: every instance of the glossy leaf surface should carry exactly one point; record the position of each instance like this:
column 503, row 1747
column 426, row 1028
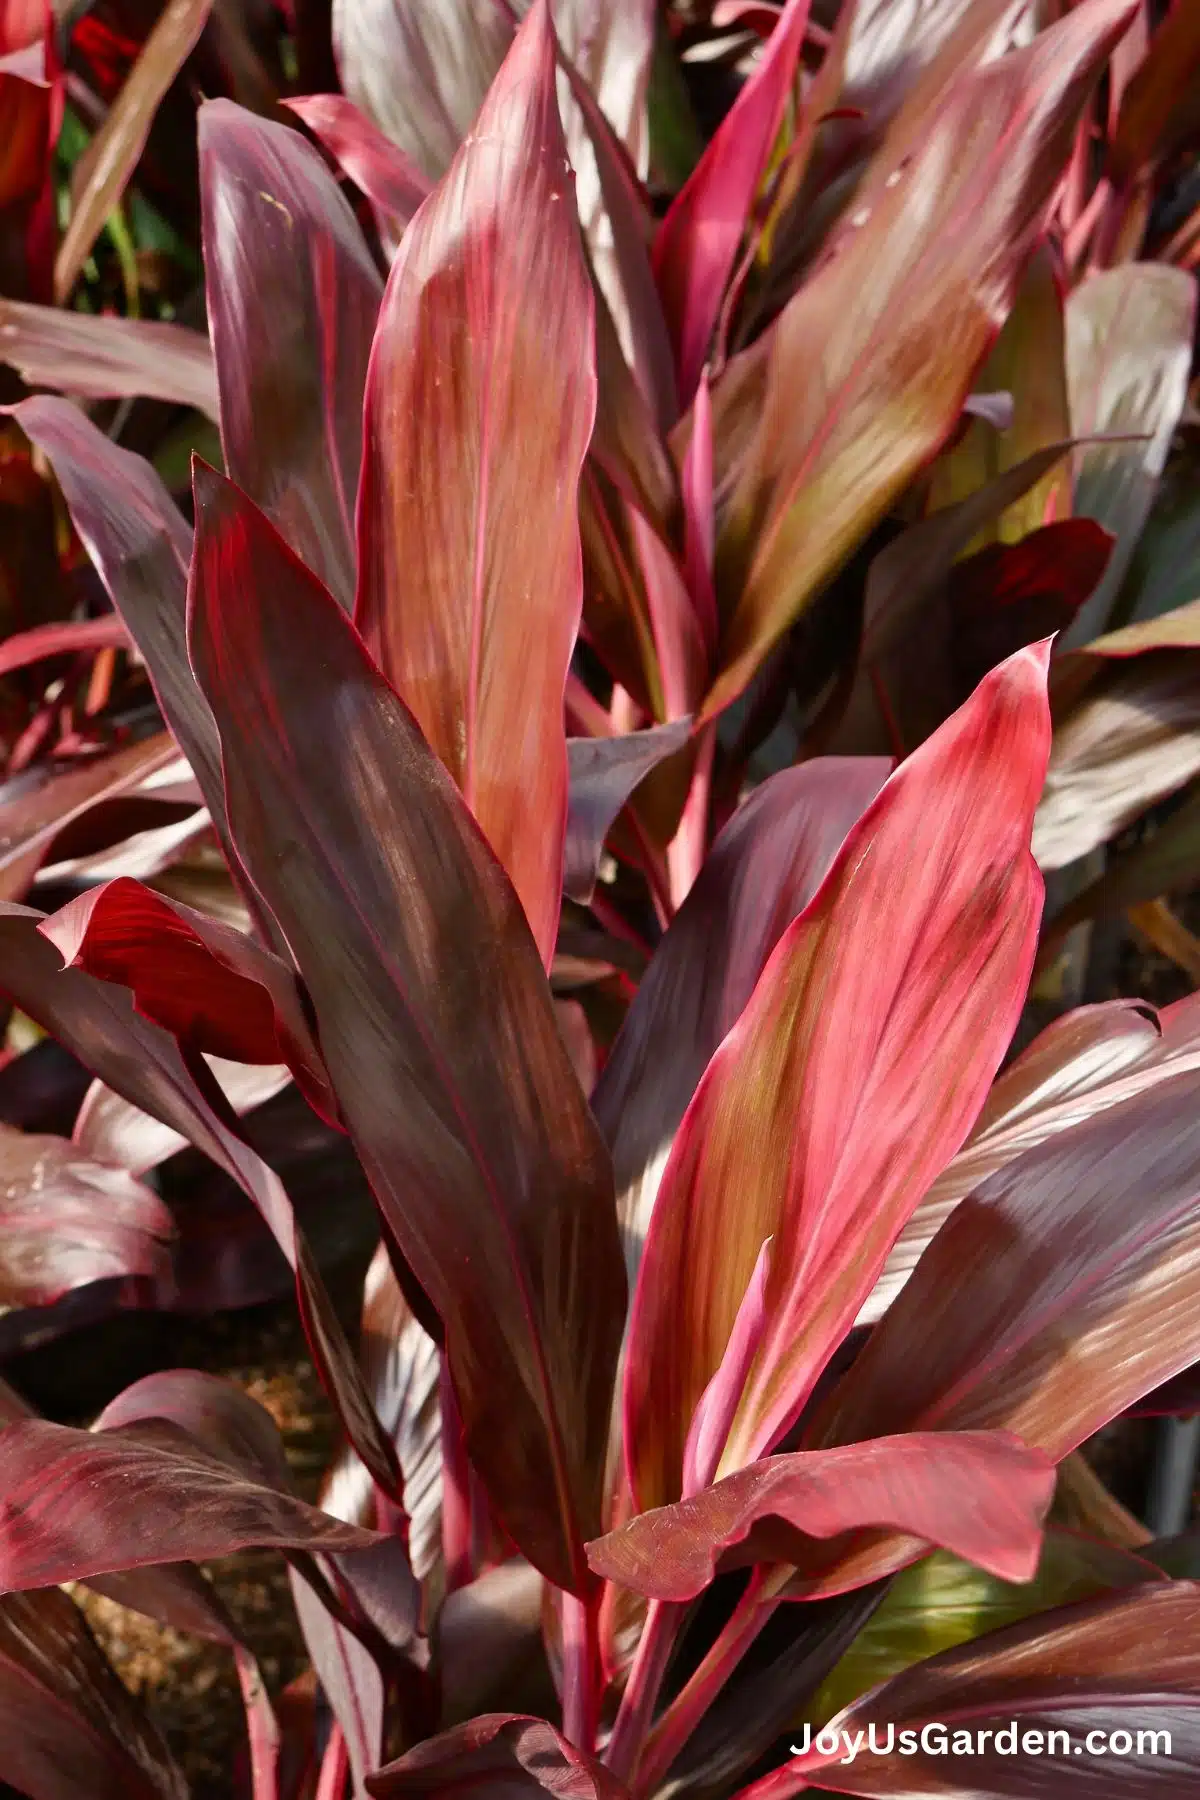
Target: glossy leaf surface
column 847, row 1083
column 763, row 869
column 471, row 584
column 905, row 305
column 292, row 301
column 425, row 982
column 915, row 1484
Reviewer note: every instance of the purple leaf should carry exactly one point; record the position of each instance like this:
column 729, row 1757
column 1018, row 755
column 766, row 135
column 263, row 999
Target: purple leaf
column 104, row 357
column 425, row 982
column 67, row 1724
column 66, row 1220
column 96, row 1021
column 764, row 869
column 292, row 301
column 81, row 1503
column 603, row 772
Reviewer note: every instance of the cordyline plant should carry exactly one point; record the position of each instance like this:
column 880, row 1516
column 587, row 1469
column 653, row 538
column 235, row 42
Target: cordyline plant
column 666, row 1401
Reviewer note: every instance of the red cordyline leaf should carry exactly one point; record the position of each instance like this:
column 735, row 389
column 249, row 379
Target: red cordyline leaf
column 81, row 1503
column 293, row 297
column 103, row 357
column 1082, row 1064
column 68, row 1725
column 425, row 982
column 1059, row 1292
column 982, row 1495
column 22, row 22
column 763, row 869
column 390, row 180
column 1131, row 1657
column 63, row 638
column 905, row 304
column 1012, row 594
column 471, row 581
column 697, row 243
column 850, row 1079
column 26, row 115
column 213, row 988
column 66, row 1220
column 144, row 1064
column 506, row 1753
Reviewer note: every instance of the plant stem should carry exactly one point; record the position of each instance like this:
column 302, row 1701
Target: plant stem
column 581, row 1665
column 680, row 1719
column 663, row 1619
column 686, row 851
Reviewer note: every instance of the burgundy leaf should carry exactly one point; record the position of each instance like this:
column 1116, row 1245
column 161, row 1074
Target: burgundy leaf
column 292, row 301
column 81, row 1503
column 1128, row 1658
column 350, row 1679
column 471, row 580
column 1008, row 595
column 603, row 773
column 501, row 1754
column 140, row 544
column 99, row 357
column 97, row 1022
column 402, row 1367
column 219, row 1417
column 114, row 1129
column 848, row 1082
column 1054, row 1296
column 31, row 819
column 68, row 1725
column 425, row 982
column 66, row 1220
column 763, row 869
column 211, row 987
column 982, row 1495
column 905, row 304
